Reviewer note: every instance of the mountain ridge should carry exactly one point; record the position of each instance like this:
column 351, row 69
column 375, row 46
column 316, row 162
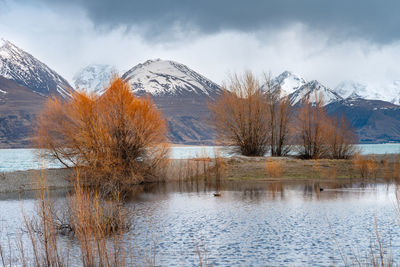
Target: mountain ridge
column 166, row 77
column 26, row 70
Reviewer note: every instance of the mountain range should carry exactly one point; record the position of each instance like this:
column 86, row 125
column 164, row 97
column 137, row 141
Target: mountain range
column 181, row 93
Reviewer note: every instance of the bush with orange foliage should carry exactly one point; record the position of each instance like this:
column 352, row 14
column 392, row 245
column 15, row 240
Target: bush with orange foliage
column 240, row 116
column 320, row 135
column 117, row 138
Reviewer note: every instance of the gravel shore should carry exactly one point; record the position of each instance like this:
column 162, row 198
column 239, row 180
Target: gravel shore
column 25, row 181
column 20, row 181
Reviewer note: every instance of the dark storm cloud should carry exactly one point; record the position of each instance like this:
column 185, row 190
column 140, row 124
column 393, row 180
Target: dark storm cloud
column 371, row 19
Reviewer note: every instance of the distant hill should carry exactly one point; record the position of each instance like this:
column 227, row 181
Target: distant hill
column 376, row 121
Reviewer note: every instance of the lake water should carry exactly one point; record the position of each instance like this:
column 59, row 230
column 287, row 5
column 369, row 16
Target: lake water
column 251, row 224
column 25, row 159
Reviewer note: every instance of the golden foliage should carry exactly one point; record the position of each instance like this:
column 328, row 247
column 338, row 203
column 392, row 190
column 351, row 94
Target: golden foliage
column 117, row 138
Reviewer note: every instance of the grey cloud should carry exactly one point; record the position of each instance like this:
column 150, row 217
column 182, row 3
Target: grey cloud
column 370, row 19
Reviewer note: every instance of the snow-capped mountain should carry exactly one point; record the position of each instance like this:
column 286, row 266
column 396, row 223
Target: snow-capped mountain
column 313, row 90
column 288, row 83
column 24, row 69
column 298, row 89
column 94, row 78
column 167, row 78
column 389, row 92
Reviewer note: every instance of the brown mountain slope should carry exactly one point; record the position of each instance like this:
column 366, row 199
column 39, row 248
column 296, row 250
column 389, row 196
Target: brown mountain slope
column 18, row 107
column 188, row 119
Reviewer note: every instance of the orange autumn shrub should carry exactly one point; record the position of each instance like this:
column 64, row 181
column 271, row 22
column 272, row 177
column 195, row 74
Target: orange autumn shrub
column 117, row 138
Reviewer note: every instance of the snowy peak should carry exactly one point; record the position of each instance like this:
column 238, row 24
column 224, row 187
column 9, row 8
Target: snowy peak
column 288, row 83
column 94, row 77
column 24, row 69
column 389, row 92
column 168, row 78
column 298, row 89
column 313, row 90
column 350, row 89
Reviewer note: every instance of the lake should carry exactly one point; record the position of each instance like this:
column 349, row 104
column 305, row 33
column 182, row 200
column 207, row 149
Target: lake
column 25, row 159
column 251, row 224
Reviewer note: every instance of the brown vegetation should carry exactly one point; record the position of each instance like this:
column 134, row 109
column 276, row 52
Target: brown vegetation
column 280, row 112
column 204, row 169
column 322, row 136
column 240, row 116
column 366, row 166
column 255, row 120
column 97, row 224
column 274, row 168
column 341, row 139
column 311, row 129
column 43, row 230
column 117, row 138
column 94, row 223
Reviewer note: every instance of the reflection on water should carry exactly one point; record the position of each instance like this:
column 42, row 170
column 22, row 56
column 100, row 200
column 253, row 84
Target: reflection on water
column 252, row 223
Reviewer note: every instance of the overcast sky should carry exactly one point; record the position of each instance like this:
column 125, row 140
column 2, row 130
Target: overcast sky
column 319, row 39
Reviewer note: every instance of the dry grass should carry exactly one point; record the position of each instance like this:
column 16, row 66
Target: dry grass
column 42, row 230
column 274, row 168
column 396, row 169
column 219, row 166
column 202, row 168
column 366, row 166
column 316, row 169
column 360, row 167
column 96, row 224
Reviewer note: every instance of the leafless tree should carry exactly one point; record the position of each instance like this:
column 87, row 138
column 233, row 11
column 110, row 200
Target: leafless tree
column 342, row 139
column 240, row 116
column 321, row 136
column 311, row 128
column 279, row 109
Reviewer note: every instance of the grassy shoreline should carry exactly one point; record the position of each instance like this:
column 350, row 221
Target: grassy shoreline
column 238, row 168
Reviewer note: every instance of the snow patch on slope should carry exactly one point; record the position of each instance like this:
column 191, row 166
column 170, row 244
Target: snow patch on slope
column 386, row 92
column 298, row 89
column 313, row 90
column 165, row 77
column 288, row 82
